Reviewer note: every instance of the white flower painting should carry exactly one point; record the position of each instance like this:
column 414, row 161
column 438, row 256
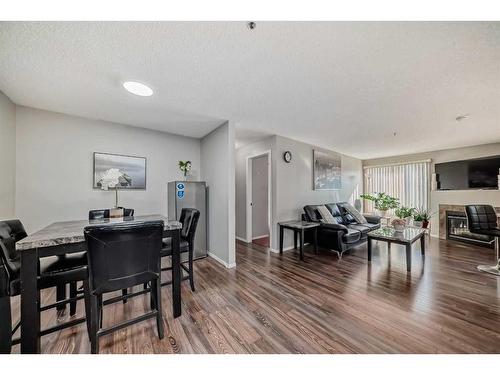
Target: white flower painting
column 122, row 172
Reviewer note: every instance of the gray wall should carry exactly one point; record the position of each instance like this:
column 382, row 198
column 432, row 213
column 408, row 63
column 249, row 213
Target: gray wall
column 291, row 184
column 217, row 166
column 459, row 197
column 242, row 154
column 294, row 183
column 260, row 225
column 7, row 157
column 54, row 166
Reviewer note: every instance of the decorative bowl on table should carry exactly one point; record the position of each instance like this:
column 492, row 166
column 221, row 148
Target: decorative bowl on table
column 399, row 225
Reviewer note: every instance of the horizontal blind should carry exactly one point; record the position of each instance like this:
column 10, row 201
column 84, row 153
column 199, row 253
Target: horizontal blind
column 409, row 182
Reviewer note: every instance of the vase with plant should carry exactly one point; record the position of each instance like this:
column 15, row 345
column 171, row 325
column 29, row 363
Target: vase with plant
column 421, row 217
column 185, row 167
column 405, row 213
column 399, row 224
column 383, row 202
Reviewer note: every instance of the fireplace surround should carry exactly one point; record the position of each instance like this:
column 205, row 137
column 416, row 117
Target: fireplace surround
column 456, row 229
column 453, row 226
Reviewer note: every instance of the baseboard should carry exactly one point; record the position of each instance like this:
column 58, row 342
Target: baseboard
column 241, row 239
column 259, row 237
column 225, row 264
column 284, row 249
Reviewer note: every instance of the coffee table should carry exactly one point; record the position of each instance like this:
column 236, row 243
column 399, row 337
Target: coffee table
column 405, row 237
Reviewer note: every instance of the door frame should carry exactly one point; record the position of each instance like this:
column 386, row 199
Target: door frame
column 249, row 188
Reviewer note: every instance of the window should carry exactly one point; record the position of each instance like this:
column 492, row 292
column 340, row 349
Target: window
column 410, row 182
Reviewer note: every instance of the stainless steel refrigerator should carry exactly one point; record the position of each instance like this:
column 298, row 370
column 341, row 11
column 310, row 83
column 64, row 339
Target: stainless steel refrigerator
column 190, row 194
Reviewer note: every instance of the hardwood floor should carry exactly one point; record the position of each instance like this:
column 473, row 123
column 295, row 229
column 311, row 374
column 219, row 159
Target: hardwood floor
column 277, row 304
column 263, row 241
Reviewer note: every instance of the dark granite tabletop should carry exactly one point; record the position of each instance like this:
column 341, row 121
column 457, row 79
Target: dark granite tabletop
column 66, row 232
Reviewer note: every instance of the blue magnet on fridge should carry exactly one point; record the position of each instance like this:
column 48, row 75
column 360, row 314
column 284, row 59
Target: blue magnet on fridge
column 180, row 186
column 180, row 194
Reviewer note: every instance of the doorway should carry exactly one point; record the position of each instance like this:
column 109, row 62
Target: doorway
column 259, row 199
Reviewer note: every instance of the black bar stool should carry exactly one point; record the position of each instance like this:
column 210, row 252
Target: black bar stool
column 189, row 219
column 119, row 257
column 54, row 271
column 482, row 219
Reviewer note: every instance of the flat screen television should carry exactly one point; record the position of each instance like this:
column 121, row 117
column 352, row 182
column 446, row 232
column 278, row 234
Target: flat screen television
column 468, row 174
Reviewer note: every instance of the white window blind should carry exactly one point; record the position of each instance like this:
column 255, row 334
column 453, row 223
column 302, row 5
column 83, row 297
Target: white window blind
column 410, row 182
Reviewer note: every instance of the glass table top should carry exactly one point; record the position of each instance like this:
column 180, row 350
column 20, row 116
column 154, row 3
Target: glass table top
column 298, row 224
column 408, row 234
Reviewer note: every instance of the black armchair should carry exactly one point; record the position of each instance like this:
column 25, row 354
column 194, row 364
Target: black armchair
column 482, row 219
column 119, row 257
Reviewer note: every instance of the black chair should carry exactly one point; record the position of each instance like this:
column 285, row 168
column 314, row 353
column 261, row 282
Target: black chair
column 128, row 211
column 122, row 256
column 54, row 271
column 189, row 219
column 104, row 213
column 482, row 219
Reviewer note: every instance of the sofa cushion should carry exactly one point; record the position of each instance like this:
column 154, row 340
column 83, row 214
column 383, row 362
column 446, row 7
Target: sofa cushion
column 371, row 226
column 362, row 228
column 351, row 211
column 335, row 211
column 351, row 236
column 340, row 227
column 312, row 214
column 326, row 216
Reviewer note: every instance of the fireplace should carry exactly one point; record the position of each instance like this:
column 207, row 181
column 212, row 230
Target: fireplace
column 456, row 229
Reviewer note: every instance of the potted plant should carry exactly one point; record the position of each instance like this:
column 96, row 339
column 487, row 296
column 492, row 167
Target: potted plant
column 399, row 224
column 383, row 202
column 421, row 218
column 405, row 213
column 185, row 167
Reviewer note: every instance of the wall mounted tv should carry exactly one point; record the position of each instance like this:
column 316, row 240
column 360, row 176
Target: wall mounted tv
column 468, row 174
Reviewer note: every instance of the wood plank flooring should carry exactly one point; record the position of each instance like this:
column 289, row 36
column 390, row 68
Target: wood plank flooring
column 263, row 241
column 278, row 304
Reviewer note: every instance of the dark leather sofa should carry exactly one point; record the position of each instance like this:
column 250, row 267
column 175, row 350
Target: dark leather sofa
column 346, row 233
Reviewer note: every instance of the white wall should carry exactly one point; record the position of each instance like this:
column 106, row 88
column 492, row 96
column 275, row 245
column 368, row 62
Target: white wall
column 54, row 166
column 217, row 166
column 7, row 157
column 260, row 225
column 459, row 197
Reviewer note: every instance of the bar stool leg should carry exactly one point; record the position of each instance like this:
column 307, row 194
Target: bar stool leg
column 5, row 325
column 494, row 270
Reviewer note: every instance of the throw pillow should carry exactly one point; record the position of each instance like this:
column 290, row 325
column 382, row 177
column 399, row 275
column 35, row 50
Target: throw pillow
column 326, row 216
column 360, row 219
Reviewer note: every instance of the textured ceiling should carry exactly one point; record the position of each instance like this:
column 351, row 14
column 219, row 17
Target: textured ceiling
column 348, row 86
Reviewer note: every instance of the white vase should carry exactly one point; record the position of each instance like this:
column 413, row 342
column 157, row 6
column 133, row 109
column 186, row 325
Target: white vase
column 399, row 227
column 382, row 213
column 408, row 220
column 417, row 224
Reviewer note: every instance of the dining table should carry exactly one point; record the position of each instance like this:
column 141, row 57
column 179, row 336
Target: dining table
column 67, row 237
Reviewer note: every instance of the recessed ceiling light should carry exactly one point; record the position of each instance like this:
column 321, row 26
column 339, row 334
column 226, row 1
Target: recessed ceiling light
column 138, row 88
column 462, row 117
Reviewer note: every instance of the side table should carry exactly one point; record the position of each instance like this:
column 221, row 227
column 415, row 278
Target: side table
column 299, row 227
